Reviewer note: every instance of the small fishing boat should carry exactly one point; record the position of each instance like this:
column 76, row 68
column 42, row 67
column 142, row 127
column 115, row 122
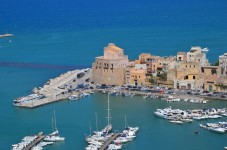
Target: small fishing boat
column 176, row 121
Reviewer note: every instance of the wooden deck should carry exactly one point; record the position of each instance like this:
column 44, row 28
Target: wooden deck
column 34, row 143
column 105, row 145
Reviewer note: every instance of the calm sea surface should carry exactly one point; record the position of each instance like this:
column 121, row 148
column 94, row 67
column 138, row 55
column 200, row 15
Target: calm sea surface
column 52, row 37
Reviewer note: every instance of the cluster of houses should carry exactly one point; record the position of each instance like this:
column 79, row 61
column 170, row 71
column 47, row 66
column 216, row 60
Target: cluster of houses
column 186, row 71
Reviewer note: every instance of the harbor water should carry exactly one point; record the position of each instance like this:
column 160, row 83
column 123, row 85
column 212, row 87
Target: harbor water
column 51, row 38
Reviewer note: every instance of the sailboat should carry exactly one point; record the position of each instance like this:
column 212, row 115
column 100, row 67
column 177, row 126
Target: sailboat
column 54, row 136
column 108, row 128
column 104, row 133
column 130, row 130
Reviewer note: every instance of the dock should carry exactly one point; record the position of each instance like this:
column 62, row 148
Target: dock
column 105, row 145
column 32, row 144
column 57, row 89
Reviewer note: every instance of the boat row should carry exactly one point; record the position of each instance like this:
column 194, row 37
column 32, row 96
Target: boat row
column 106, row 139
column 75, row 97
column 166, row 97
column 128, row 134
column 218, row 127
column 171, row 98
column 26, row 141
column 179, row 116
column 41, row 145
column 24, row 99
column 99, row 138
column 37, row 142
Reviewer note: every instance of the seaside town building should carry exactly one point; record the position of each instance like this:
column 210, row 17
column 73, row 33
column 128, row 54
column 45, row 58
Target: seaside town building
column 187, row 76
column 143, row 57
column 138, row 75
column 131, row 64
column 222, row 80
column 185, row 71
column 196, row 54
column 210, row 78
column 152, row 65
column 223, row 64
column 110, row 68
column 193, row 71
column 181, row 57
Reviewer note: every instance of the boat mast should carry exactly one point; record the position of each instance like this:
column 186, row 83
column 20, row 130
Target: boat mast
column 55, row 122
column 96, row 118
column 108, row 110
column 52, row 122
column 125, row 121
column 90, row 126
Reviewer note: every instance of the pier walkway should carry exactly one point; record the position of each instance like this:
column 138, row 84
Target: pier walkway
column 57, row 89
column 32, row 144
column 105, row 145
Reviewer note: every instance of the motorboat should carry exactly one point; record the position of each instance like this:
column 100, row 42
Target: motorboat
column 24, row 99
column 176, row 121
column 114, row 147
column 73, row 97
column 120, row 140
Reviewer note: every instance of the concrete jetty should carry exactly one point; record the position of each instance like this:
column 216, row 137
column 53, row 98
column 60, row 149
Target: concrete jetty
column 32, row 144
column 105, row 145
column 58, row 88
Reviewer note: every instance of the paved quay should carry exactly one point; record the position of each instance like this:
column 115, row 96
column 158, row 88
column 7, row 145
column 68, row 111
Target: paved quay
column 57, row 89
column 105, row 146
column 39, row 139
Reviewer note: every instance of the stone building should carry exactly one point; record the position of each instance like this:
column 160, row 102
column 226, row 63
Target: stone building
column 131, row 64
column 187, row 76
column 197, row 55
column 166, row 63
column 143, row 57
column 152, row 65
column 223, row 65
column 181, row 57
column 210, row 78
column 138, row 75
column 110, row 68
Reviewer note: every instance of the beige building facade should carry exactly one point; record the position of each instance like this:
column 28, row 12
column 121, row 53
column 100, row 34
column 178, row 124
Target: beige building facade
column 137, row 77
column 110, row 68
column 223, row 64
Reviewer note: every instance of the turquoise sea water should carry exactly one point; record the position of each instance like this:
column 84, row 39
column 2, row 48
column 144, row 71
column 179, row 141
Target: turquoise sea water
column 53, row 37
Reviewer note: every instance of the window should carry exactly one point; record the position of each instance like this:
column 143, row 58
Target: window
column 186, row 66
column 193, row 77
column 186, row 77
column 202, row 70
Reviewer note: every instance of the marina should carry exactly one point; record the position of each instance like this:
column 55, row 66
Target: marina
column 52, row 44
column 106, row 139
column 28, row 142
